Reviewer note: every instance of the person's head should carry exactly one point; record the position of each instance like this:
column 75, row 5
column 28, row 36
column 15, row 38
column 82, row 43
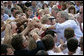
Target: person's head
column 68, row 4
column 81, row 43
column 72, row 9
column 44, row 6
column 41, row 52
column 14, row 3
column 17, row 14
column 72, row 44
column 29, row 12
column 77, row 3
column 48, row 42
column 6, row 50
column 9, row 6
column 51, row 3
column 53, row 20
column 54, row 11
column 81, row 3
column 13, row 10
column 2, row 11
column 79, row 19
column 68, row 33
column 41, row 12
column 46, row 10
column 9, row 2
column 32, row 44
column 33, row 3
column 5, row 3
column 19, row 42
column 81, row 11
column 52, row 33
column 62, row 16
column 63, row 6
column 45, row 19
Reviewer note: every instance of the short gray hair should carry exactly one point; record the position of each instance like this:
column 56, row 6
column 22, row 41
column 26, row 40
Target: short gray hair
column 64, row 14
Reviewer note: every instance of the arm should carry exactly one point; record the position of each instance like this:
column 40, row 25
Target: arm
column 8, row 34
column 40, row 45
column 50, row 27
column 2, row 28
column 25, row 31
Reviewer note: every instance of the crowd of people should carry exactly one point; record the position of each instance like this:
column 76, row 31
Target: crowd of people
column 41, row 27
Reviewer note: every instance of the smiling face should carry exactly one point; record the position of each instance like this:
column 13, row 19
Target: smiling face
column 72, row 11
column 29, row 12
column 59, row 18
column 10, row 51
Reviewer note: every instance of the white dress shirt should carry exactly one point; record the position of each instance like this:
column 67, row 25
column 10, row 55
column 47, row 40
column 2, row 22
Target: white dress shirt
column 78, row 51
column 51, row 52
column 72, row 54
column 69, row 23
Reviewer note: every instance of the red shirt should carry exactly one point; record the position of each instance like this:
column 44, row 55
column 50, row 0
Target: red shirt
column 39, row 17
column 59, row 6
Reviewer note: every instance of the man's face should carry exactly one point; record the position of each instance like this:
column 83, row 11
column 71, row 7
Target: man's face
column 6, row 4
column 53, row 13
column 15, row 10
column 80, row 19
column 29, row 12
column 2, row 11
column 81, row 11
column 48, row 22
column 10, row 51
column 34, row 3
column 59, row 18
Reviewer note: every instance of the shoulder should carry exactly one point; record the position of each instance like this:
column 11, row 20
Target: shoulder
column 78, row 50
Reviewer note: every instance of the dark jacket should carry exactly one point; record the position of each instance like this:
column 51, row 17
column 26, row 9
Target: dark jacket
column 40, row 46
